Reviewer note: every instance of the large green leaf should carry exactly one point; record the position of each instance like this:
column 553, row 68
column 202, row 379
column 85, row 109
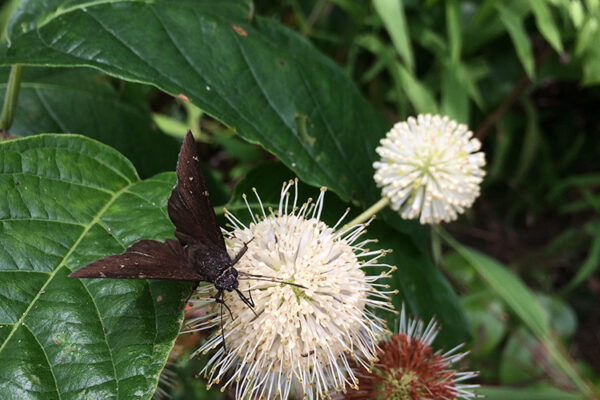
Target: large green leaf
column 423, row 288
column 252, row 73
column 68, row 200
column 83, row 101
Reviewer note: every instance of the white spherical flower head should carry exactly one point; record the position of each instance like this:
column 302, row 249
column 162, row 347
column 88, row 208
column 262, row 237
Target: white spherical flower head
column 430, row 168
column 305, row 328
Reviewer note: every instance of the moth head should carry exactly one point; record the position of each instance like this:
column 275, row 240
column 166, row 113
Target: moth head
column 228, row 280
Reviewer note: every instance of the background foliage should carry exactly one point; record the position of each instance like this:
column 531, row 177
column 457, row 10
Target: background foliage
column 306, row 88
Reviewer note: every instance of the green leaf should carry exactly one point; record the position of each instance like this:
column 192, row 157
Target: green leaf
column 591, row 53
column 563, row 320
column 455, row 98
column 6, row 10
column 514, row 25
column 522, row 359
column 454, row 29
column 487, row 320
column 68, row 201
column 577, row 13
column 422, row 286
column 405, row 82
column 418, row 94
column 523, row 303
column 429, row 39
column 508, row 286
column 586, row 36
column 531, row 141
column 470, row 75
column 545, row 23
column 528, row 393
column 394, row 20
column 83, row 101
column 253, row 74
column 591, row 262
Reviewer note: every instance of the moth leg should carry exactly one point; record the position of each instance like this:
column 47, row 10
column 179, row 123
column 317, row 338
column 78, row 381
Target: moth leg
column 251, row 299
column 222, row 328
column 219, row 300
column 246, row 301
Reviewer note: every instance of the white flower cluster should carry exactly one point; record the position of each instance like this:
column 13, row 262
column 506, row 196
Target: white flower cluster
column 296, row 339
column 430, row 168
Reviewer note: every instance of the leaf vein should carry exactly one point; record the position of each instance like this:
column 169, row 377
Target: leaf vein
column 98, row 188
column 58, row 221
column 50, row 111
column 45, row 356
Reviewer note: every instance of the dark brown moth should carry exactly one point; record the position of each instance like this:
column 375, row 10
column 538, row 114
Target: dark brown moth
column 198, row 255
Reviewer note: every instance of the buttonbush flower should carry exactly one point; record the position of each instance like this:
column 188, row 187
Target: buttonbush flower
column 409, row 368
column 297, row 340
column 430, row 168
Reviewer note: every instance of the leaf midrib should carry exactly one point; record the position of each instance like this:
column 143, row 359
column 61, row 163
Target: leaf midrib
column 95, row 220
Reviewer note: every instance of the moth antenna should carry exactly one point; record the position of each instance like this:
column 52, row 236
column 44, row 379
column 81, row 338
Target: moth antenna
column 268, row 279
column 274, row 281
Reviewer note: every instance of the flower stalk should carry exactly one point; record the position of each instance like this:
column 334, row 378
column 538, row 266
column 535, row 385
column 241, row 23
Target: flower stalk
column 368, row 213
column 11, row 97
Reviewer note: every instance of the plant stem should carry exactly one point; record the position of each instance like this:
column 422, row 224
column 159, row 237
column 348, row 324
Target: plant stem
column 436, row 246
column 11, row 97
column 508, row 101
column 374, row 209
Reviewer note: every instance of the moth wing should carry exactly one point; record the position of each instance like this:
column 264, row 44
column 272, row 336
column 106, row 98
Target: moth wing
column 189, row 205
column 145, row 259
